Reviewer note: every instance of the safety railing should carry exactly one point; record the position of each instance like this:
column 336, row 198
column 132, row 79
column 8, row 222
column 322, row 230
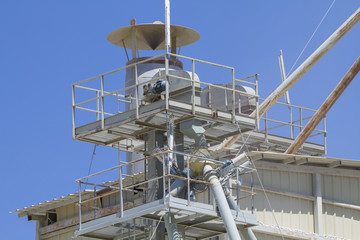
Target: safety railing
column 296, row 119
column 140, row 189
column 106, row 94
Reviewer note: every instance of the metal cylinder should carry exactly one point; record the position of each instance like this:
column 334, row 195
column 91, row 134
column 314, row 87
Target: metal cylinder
column 145, row 71
column 222, row 204
column 171, row 228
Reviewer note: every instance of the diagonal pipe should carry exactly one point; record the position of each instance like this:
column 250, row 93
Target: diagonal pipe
column 298, row 73
column 324, row 108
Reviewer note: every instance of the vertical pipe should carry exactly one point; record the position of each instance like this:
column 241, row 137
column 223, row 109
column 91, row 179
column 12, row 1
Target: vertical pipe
column 95, row 202
column 171, row 141
column 237, row 191
column 117, row 102
column 37, row 234
column 233, row 95
column 252, row 196
column 193, row 86
column 325, row 137
column 80, row 206
column 97, row 105
column 325, row 107
column 266, row 128
column 120, row 184
column 167, row 83
column 188, row 180
column 210, row 97
column 164, row 180
column 257, row 101
column 171, row 228
column 167, row 25
column 102, row 103
column 317, row 189
column 291, row 125
column 73, row 110
column 301, row 119
column 136, row 92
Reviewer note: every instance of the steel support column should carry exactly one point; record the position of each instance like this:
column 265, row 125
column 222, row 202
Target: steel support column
column 317, row 191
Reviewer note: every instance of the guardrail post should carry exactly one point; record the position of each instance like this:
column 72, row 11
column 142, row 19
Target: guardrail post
column 136, row 92
column 80, row 205
column 193, row 86
column 291, row 125
column 252, row 195
column 325, row 137
column 120, row 184
column 233, row 94
column 301, row 119
column 102, row 103
column 97, row 105
column 188, row 181
column 237, row 192
column 257, row 102
column 164, row 180
column 266, row 128
column 73, row 111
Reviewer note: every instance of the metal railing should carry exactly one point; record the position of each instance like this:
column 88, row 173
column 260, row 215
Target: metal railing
column 126, row 184
column 303, row 115
column 122, row 98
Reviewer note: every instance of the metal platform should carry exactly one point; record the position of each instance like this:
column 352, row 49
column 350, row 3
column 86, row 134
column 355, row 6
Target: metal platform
column 200, row 220
column 127, row 129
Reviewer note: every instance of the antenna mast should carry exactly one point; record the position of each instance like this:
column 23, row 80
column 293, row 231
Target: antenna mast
column 167, row 25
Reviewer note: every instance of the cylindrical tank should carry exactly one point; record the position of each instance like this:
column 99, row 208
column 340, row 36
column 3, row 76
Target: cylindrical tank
column 145, row 72
column 221, row 99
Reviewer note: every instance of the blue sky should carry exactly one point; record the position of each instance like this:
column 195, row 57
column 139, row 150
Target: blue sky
column 47, row 45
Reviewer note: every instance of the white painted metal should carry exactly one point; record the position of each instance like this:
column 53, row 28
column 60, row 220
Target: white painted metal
column 167, row 25
column 318, row 210
column 222, row 204
column 310, row 61
column 145, row 72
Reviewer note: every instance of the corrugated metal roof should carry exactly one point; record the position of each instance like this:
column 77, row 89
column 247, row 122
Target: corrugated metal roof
column 328, row 162
column 47, row 205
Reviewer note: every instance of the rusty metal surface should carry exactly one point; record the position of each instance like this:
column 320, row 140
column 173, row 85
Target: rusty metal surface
column 325, row 107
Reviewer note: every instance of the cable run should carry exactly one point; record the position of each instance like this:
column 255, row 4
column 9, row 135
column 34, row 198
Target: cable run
column 156, row 228
column 258, row 176
column 91, row 161
column 311, row 38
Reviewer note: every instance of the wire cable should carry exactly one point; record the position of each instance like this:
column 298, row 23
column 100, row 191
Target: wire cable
column 156, row 228
column 261, row 184
column 312, row 36
column 91, row 161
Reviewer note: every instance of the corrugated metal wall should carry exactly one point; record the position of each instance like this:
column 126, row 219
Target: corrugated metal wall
column 298, row 213
column 341, row 221
column 291, row 211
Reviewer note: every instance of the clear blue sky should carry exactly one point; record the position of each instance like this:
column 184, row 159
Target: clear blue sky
column 47, row 45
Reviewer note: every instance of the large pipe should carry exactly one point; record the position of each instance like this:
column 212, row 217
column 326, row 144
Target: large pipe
column 298, row 73
column 221, row 202
column 171, row 228
column 324, row 108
